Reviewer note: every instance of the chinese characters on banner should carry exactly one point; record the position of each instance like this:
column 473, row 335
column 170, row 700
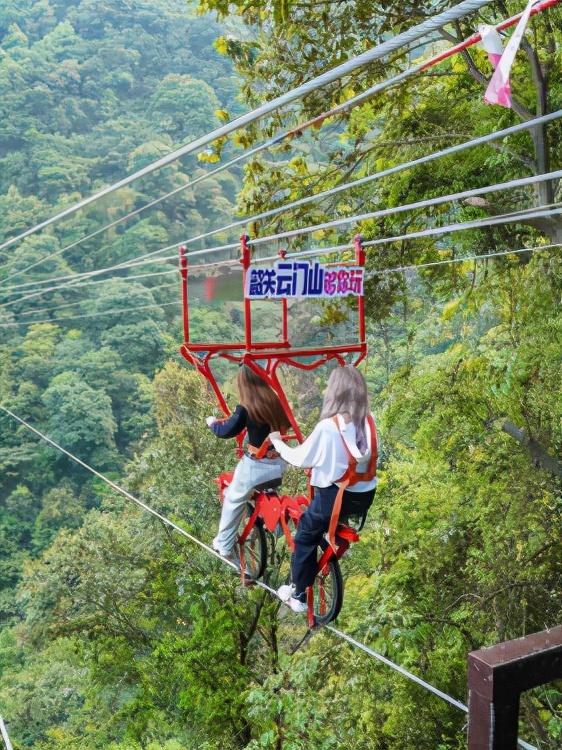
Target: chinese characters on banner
column 302, row 279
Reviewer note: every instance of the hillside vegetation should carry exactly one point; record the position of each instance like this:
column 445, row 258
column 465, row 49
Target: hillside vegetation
column 116, row 633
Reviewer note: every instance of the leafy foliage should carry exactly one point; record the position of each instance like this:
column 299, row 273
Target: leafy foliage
column 117, row 633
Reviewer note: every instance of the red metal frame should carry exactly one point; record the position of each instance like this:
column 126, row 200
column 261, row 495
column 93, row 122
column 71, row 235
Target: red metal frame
column 264, row 359
column 272, row 353
column 274, row 509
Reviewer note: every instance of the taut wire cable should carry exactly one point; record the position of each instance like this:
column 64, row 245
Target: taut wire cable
column 376, row 53
column 71, row 318
column 487, row 138
column 434, row 231
column 142, row 260
column 516, row 216
column 4, row 735
column 297, row 130
column 370, row 274
column 391, row 211
column 481, row 140
column 426, row 203
column 72, row 284
column 168, row 522
column 463, row 259
column 475, row 142
column 76, row 303
column 82, row 282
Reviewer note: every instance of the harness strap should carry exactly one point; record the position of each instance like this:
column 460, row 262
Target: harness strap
column 335, row 517
column 266, row 450
column 351, row 476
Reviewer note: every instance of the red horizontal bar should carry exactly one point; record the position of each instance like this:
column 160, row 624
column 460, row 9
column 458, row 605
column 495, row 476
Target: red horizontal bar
column 308, row 352
column 319, row 352
column 475, row 38
column 237, row 346
column 279, row 350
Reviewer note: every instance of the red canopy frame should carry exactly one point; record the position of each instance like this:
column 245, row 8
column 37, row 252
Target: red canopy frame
column 271, row 353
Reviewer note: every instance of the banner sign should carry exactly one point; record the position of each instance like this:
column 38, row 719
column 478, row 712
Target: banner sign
column 303, row 279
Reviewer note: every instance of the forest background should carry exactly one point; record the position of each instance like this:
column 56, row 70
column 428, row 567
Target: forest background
column 115, row 633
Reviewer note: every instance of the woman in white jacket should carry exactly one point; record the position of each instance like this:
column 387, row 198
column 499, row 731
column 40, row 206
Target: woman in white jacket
column 327, row 452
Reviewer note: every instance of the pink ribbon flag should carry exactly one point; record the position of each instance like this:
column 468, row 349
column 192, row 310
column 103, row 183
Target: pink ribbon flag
column 499, row 90
column 492, row 43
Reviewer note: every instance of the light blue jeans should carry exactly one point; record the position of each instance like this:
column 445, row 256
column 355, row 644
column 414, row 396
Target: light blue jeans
column 247, row 475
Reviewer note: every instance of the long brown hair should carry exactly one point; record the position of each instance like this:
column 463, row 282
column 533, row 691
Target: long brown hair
column 260, row 401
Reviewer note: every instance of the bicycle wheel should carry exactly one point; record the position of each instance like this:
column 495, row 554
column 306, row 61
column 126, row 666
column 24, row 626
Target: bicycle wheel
column 328, row 593
column 255, row 550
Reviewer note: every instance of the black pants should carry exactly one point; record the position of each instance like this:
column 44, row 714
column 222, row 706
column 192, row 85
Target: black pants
column 314, row 524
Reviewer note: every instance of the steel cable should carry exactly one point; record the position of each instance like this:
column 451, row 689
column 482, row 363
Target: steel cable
column 334, row 224
column 482, row 140
column 370, row 274
column 168, row 522
column 297, row 130
column 521, row 215
column 4, row 735
column 376, row 53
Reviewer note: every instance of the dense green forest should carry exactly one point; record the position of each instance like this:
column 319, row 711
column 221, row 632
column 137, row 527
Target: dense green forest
column 116, row 633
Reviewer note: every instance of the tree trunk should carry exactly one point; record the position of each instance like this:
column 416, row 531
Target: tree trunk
column 551, row 226
column 544, row 190
column 539, row 454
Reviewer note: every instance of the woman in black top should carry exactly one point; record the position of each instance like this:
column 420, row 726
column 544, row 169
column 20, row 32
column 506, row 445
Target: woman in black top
column 259, row 412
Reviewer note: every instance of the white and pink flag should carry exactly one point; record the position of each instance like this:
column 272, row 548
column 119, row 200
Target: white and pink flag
column 492, row 43
column 499, row 90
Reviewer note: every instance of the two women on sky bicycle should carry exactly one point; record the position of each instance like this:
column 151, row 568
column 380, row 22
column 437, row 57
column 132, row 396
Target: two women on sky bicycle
column 341, row 453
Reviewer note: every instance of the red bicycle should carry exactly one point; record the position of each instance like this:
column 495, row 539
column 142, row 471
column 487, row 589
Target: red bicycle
column 269, row 512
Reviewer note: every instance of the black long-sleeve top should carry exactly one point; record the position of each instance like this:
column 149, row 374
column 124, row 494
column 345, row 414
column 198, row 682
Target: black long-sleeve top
column 239, row 420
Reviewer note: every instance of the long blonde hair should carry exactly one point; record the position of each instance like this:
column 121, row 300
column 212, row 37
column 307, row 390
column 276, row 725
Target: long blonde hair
column 346, row 393
column 260, row 401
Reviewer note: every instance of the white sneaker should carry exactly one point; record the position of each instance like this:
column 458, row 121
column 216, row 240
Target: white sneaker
column 218, row 549
column 286, row 594
column 231, row 555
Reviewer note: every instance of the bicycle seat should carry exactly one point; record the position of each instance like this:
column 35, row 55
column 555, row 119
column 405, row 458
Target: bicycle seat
column 347, row 533
column 271, row 484
column 355, row 520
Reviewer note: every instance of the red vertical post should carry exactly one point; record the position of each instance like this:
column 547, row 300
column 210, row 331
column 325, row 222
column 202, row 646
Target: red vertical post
column 360, row 261
column 185, row 300
column 284, row 311
column 245, row 259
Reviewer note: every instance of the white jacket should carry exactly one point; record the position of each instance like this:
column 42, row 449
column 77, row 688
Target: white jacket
column 323, row 452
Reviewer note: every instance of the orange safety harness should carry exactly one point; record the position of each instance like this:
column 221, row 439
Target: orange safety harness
column 351, row 476
column 266, row 450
